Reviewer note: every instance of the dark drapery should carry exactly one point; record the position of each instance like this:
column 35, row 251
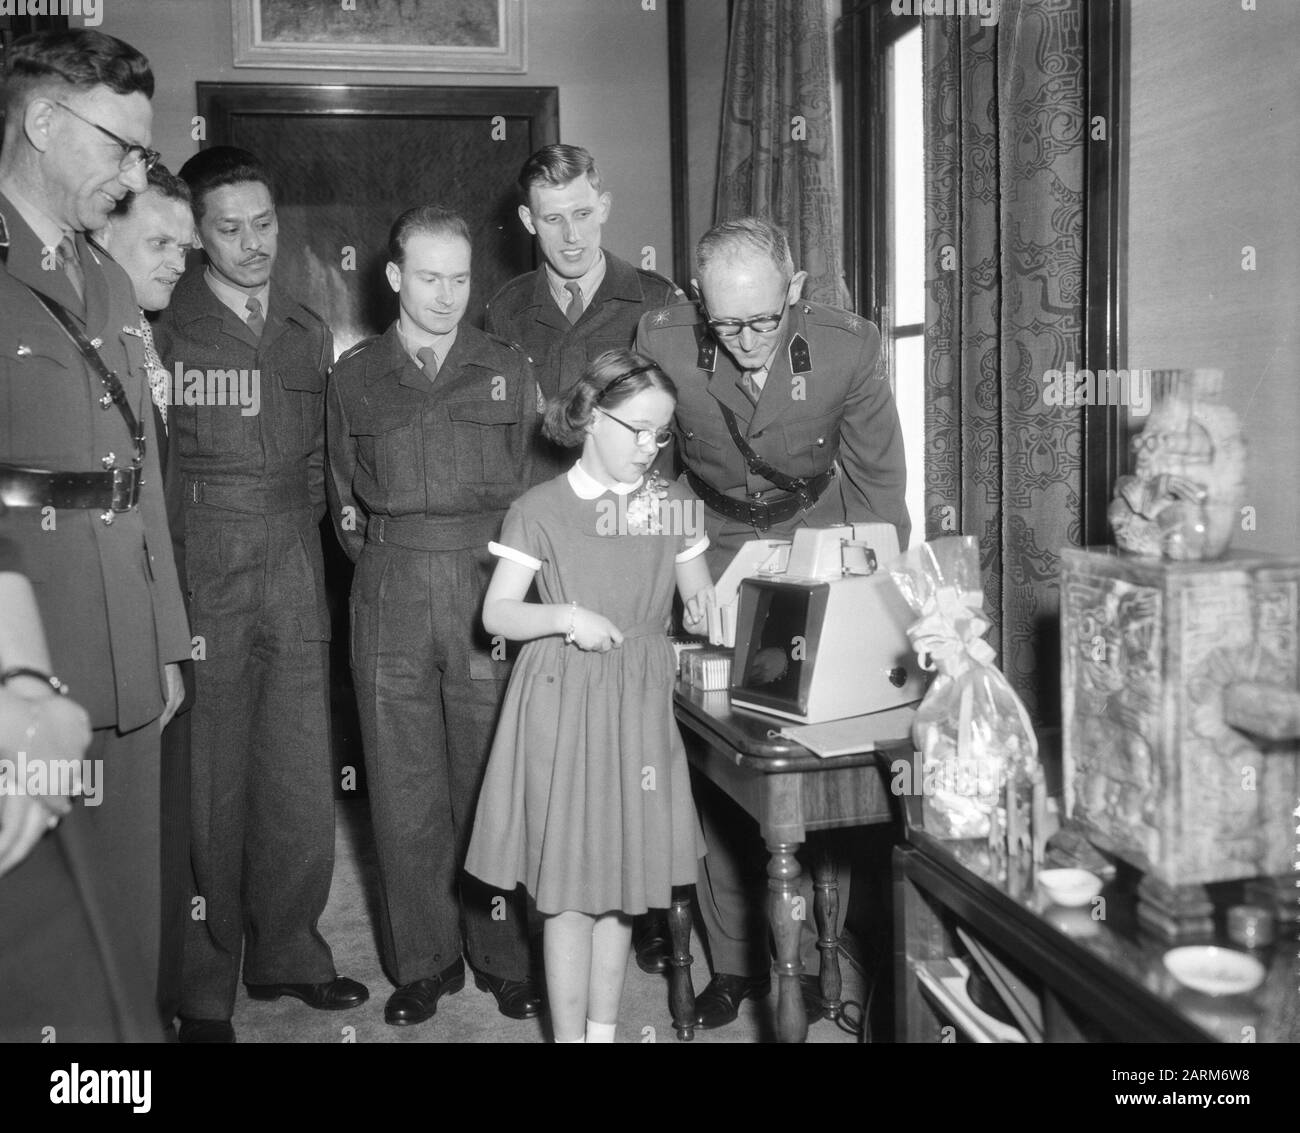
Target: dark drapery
column 777, row 155
column 1005, row 159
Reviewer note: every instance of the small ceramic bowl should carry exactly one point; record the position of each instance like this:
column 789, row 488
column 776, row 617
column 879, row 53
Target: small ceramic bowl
column 1069, row 887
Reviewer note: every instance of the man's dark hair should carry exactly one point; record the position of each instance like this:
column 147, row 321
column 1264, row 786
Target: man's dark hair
column 555, row 166
column 433, row 219
column 79, row 57
column 218, row 167
column 164, row 182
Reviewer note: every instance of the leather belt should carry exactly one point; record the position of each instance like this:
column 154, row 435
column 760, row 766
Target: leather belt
column 118, row 489
column 432, row 532
column 762, row 514
column 258, row 497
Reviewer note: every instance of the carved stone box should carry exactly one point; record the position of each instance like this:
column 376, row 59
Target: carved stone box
column 1153, row 772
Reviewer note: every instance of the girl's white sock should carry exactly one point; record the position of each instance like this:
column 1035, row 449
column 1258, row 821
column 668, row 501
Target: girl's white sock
column 600, row 1032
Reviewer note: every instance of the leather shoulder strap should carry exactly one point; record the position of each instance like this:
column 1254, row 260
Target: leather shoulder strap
column 112, row 384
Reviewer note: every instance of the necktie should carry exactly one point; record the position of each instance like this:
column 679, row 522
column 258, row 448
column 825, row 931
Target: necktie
column 575, row 307
column 72, row 266
column 256, row 320
column 752, row 382
column 155, row 369
column 428, row 362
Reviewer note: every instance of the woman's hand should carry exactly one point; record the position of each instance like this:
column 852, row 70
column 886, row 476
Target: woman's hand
column 594, row 632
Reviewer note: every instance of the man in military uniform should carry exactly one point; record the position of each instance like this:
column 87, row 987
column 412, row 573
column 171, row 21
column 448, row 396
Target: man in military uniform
column 430, row 430
column 790, row 424
column 581, row 302
column 250, row 428
column 82, row 516
column 149, row 234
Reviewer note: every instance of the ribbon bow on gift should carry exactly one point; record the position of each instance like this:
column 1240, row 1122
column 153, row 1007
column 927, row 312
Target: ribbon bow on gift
column 951, row 629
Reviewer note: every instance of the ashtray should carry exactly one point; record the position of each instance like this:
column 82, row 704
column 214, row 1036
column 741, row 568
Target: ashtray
column 1214, row 971
column 1069, row 887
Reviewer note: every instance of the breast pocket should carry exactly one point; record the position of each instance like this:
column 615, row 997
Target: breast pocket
column 810, row 445
column 391, row 446
column 306, row 387
column 701, row 451
column 223, row 404
column 485, row 435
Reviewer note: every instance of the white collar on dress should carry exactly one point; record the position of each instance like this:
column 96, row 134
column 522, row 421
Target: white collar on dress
column 587, row 487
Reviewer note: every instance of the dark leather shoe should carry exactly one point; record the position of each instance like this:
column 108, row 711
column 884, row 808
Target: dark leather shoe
column 337, row 995
column 651, row 941
column 516, row 999
column 206, row 1031
column 717, row 1004
column 415, row 1002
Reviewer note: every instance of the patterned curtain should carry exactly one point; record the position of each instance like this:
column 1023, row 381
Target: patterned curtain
column 778, row 147
column 1005, row 158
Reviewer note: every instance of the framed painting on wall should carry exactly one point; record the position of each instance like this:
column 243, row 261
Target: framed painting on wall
column 381, row 35
column 348, row 159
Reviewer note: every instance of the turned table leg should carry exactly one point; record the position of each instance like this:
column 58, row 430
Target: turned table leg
column 681, row 992
column 784, row 915
column 826, row 905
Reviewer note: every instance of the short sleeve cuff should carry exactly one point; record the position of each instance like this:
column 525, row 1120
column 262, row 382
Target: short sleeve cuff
column 691, row 552
column 504, row 552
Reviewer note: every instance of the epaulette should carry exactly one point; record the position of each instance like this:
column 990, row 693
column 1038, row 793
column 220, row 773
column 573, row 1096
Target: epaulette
column 683, row 314
column 825, row 316
column 507, row 344
column 510, row 285
column 313, row 314
column 655, row 277
column 356, row 347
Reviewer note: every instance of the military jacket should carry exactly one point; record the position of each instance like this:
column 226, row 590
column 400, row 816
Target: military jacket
column 825, row 403
column 108, row 594
column 402, row 446
column 524, row 311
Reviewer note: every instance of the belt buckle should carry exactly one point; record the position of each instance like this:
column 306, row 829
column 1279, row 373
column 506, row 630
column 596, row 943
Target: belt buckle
column 124, row 489
column 759, row 516
column 802, row 494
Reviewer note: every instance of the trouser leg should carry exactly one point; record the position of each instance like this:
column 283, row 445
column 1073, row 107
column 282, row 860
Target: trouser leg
column 177, row 876
column 404, row 736
column 473, row 685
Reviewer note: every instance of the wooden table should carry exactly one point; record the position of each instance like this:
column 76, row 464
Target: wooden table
column 789, row 792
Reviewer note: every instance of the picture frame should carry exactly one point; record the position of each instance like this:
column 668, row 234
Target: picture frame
column 348, row 159
column 464, row 36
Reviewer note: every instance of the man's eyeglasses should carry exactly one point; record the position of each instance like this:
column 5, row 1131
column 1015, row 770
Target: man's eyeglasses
column 759, row 324
column 660, row 437
column 132, row 154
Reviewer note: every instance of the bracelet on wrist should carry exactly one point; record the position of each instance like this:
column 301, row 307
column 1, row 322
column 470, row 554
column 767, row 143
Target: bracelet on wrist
column 573, row 623
column 37, row 675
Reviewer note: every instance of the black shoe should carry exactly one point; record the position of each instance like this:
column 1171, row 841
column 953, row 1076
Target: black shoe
column 415, row 1002
column 717, row 1004
column 651, row 942
column 206, row 1031
column 516, row 999
column 814, row 1005
column 337, row 994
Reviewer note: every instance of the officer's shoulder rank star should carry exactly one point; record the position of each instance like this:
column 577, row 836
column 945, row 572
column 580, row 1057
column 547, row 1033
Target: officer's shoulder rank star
column 661, row 318
column 855, row 323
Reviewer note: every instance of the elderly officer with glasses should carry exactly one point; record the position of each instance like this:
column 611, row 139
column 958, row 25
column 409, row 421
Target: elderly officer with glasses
column 792, row 423
column 90, row 605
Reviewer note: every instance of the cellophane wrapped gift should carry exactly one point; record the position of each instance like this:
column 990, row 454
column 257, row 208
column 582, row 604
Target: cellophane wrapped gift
column 972, row 732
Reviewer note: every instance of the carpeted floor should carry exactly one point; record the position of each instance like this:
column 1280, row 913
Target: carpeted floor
column 470, row 1016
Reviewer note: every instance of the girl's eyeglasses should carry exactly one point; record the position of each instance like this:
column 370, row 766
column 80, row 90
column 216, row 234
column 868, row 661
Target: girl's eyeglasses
column 660, row 437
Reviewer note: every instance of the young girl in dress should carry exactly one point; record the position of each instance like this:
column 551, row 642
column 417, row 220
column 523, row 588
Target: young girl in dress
column 586, row 799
